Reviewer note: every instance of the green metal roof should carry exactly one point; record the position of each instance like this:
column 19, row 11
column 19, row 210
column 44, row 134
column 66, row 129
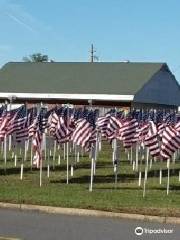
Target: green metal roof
column 83, row 78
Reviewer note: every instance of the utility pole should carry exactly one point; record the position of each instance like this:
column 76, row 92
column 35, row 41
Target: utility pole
column 92, row 53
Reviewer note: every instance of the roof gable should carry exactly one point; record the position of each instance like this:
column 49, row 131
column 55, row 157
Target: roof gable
column 82, row 78
column 162, row 88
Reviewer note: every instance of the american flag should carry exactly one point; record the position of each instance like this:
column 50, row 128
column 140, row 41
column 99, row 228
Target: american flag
column 170, row 141
column 39, row 129
column 128, row 132
column 23, row 133
column 113, row 127
column 65, row 126
column 102, row 123
column 18, row 121
column 151, row 140
column 2, row 112
column 7, row 119
column 84, row 134
column 52, row 123
column 37, row 148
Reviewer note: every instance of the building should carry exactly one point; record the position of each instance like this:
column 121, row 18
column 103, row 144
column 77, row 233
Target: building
column 129, row 84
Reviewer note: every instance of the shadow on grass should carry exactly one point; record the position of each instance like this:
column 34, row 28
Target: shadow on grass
column 97, row 179
column 15, row 170
column 155, row 173
column 175, row 187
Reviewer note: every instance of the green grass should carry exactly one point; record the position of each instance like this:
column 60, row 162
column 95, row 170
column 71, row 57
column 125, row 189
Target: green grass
column 126, row 197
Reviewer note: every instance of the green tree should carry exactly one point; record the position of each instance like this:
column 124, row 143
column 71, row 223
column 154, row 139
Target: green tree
column 36, row 57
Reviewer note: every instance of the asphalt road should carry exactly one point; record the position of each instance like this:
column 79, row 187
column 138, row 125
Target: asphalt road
column 34, row 225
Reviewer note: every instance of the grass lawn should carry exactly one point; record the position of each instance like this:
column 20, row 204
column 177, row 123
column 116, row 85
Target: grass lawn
column 126, row 197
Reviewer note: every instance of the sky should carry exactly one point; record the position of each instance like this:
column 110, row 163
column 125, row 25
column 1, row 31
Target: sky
column 134, row 30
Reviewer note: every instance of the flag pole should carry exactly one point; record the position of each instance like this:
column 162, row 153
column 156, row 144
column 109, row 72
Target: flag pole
column 5, row 148
column 168, row 168
column 54, row 154
column 48, row 167
column 15, row 154
column 147, row 159
column 67, row 150
column 92, row 174
column 64, row 150
column 92, row 166
column 137, row 155
column 59, row 155
column 22, row 167
column 10, row 107
column 5, row 153
column 31, row 156
column 41, row 152
column 145, row 179
column 67, row 163
column 140, row 169
column 40, row 174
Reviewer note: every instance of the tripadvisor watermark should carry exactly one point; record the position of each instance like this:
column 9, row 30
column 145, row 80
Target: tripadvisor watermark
column 139, row 231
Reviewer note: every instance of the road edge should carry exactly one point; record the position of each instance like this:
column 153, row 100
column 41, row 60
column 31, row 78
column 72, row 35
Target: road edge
column 87, row 212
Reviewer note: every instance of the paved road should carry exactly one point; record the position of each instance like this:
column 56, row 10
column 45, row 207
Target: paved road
column 33, row 225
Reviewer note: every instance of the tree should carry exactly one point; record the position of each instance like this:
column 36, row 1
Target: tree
column 36, row 57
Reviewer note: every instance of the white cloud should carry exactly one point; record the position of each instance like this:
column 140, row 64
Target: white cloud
column 20, row 15
column 19, row 21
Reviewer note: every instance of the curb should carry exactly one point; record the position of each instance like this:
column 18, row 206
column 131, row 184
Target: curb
column 87, row 212
column 7, row 238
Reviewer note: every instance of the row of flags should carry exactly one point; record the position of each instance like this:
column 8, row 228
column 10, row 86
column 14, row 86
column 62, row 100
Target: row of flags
column 159, row 131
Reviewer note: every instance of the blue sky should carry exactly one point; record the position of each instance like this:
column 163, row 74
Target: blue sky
column 137, row 30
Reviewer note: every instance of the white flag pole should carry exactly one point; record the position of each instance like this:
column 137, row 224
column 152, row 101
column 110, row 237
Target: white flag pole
column 147, row 157
column 145, row 179
column 59, row 159
column 15, row 160
column 140, row 169
column 48, row 167
column 67, row 151
column 59, row 156
column 168, row 168
column 64, row 151
column 54, row 154
column 5, row 153
column 67, row 163
column 78, row 150
column 40, row 173
column 137, row 155
column 45, row 146
column 22, row 167
column 15, row 153
column 31, row 156
column 71, row 148
column 139, row 182
column 41, row 152
column 21, row 175
column 160, row 176
column 5, row 150
column 160, row 173
column 10, row 107
column 92, row 171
